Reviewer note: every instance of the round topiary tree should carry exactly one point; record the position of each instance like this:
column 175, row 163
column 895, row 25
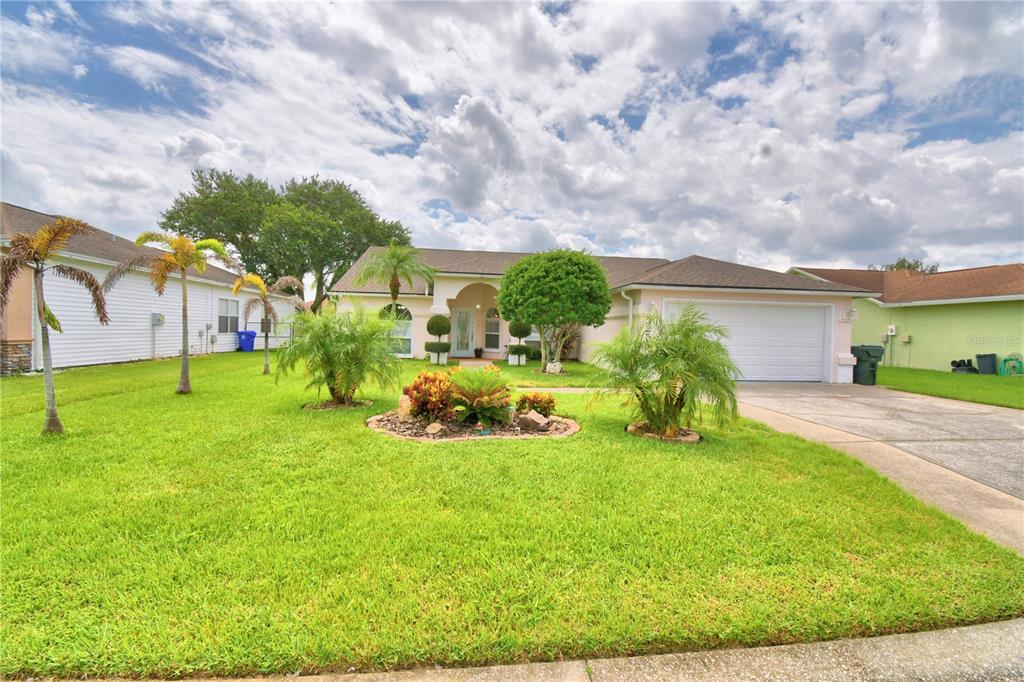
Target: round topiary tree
column 559, row 291
column 520, row 330
column 439, row 325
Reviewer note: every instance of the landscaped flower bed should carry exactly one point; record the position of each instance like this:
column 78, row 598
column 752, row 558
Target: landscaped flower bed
column 470, row 403
column 416, row 429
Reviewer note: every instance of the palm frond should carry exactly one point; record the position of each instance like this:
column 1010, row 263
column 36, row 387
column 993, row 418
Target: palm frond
column 21, row 247
column 55, row 236
column 122, row 269
column 286, row 282
column 161, row 271
column 86, row 279
column 251, row 279
column 10, row 267
column 251, row 305
column 150, row 237
column 51, row 320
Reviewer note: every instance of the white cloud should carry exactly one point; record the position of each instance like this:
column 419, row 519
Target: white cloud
column 528, row 148
column 149, row 69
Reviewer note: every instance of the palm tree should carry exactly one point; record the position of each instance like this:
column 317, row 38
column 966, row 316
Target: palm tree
column 263, row 293
column 181, row 255
column 672, row 369
column 395, row 264
column 31, row 252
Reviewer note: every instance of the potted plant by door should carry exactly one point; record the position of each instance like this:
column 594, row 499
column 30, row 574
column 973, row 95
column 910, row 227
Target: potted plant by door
column 517, row 353
column 478, row 352
column 438, row 325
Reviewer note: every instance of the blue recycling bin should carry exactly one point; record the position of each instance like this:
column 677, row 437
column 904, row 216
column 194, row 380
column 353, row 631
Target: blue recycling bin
column 246, row 341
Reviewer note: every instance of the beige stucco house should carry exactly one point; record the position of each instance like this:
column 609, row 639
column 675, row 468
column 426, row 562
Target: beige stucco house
column 782, row 327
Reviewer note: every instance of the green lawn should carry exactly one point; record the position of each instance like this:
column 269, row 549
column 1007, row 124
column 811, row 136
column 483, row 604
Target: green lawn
column 578, row 374
column 230, row 532
column 989, row 389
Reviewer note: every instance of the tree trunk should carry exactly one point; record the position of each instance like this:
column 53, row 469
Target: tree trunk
column 318, row 297
column 52, row 423
column 266, row 345
column 184, row 384
column 394, row 286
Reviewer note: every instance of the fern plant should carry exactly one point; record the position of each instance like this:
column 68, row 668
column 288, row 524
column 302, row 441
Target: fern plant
column 673, row 369
column 341, row 352
column 481, row 395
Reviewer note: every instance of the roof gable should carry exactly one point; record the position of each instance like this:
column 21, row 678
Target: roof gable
column 93, row 243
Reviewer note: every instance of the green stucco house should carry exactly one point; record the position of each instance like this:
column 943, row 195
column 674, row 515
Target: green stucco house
column 927, row 320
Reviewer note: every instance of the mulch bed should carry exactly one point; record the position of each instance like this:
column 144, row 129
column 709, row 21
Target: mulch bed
column 684, row 435
column 415, row 429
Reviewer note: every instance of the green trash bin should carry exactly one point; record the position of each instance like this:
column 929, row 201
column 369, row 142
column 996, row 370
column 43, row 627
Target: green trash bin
column 866, row 368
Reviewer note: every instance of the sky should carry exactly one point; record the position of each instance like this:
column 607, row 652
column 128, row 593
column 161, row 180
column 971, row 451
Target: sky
column 771, row 135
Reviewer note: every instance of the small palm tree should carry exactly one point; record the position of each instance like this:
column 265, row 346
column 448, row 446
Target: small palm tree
column 340, row 352
column 672, row 368
column 263, row 294
column 395, row 264
column 31, row 252
column 181, row 254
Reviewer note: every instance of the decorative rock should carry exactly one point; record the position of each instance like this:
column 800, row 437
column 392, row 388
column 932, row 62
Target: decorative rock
column 553, row 368
column 533, row 421
column 404, row 410
column 435, row 429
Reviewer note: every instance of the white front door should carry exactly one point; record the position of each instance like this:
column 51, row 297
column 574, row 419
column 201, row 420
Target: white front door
column 463, row 323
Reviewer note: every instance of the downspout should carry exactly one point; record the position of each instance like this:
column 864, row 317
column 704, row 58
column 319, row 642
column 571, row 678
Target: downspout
column 630, row 299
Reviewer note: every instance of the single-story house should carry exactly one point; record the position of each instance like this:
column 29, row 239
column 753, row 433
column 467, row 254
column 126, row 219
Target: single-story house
column 782, row 327
column 142, row 324
column 927, row 320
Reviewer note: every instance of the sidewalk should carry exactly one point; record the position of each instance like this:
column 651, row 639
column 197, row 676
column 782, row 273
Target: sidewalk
column 994, row 651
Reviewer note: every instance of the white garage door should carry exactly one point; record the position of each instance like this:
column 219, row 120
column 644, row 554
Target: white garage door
column 773, row 342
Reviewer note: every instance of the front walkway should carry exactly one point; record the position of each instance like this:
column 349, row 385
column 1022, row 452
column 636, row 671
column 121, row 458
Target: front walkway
column 993, row 651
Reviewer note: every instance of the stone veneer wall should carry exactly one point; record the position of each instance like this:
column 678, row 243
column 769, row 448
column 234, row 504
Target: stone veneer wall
column 15, row 357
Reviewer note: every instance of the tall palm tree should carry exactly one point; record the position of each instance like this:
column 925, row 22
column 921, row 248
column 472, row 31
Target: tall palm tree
column 182, row 253
column 395, row 264
column 263, row 293
column 31, row 252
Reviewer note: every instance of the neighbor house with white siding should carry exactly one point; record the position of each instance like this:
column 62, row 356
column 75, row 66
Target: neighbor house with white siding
column 142, row 324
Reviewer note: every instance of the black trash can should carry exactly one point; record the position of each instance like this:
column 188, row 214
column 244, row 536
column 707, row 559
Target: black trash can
column 986, row 363
column 866, row 368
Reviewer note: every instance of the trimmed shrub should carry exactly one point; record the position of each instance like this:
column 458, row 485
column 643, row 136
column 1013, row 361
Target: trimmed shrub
column 481, row 395
column 519, row 350
column 430, row 395
column 544, row 403
column 534, row 353
column 437, row 346
column 519, row 330
column 438, row 325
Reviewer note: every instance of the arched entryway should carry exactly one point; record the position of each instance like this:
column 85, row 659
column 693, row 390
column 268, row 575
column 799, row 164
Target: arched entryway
column 476, row 324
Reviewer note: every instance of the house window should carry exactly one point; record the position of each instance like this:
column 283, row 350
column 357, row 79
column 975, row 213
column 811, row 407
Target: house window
column 533, row 339
column 227, row 316
column 492, row 330
column 401, row 331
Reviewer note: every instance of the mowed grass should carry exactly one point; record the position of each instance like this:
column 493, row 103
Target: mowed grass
column 230, row 532
column 574, row 374
column 989, row 389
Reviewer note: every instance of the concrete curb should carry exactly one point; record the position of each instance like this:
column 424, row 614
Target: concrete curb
column 994, row 651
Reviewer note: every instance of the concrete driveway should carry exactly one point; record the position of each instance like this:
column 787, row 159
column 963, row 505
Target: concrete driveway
column 981, row 442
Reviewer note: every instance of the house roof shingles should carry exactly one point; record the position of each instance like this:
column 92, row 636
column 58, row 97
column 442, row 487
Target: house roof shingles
column 694, row 271
column 906, row 286
column 94, row 243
